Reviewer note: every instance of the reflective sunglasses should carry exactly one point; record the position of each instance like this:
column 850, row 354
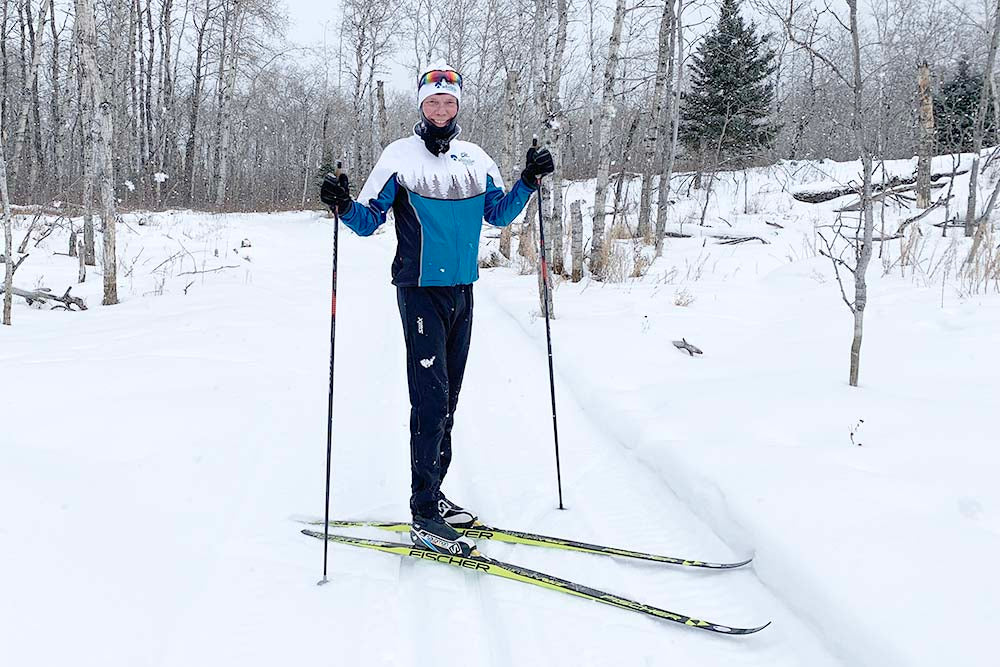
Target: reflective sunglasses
column 441, row 76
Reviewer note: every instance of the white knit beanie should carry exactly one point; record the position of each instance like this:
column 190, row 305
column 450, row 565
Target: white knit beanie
column 428, row 88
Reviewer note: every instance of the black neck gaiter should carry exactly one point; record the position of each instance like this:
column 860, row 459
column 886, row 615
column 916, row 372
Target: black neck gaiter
column 437, row 139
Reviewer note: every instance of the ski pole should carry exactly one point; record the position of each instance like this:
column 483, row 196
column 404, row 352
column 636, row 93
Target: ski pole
column 329, row 413
column 548, row 329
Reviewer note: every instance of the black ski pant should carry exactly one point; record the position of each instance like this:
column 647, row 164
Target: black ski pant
column 437, row 328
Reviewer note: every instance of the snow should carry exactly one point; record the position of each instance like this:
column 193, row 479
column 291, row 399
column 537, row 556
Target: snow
column 154, row 452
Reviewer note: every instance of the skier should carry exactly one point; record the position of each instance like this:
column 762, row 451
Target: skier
column 440, row 190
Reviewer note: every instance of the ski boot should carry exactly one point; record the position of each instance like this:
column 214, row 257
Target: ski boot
column 455, row 516
column 435, row 535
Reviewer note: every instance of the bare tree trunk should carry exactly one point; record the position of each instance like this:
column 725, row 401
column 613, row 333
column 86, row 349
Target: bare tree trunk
column 507, row 155
column 4, row 74
column 165, row 103
column 372, row 134
column 86, row 153
column 102, row 132
column 57, row 120
column 715, row 168
column 657, row 126
column 220, row 88
column 8, row 240
column 82, row 272
column 926, row 145
column 806, row 114
column 977, row 135
column 134, row 114
column 225, row 113
column 865, row 254
column 31, row 78
column 189, row 147
column 604, row 143
column 576, row 249
column 558, row 135
column 147, row 103
column 383, row 118
column 588, row 152
column 667, row 174
column 622, row 172
column 547, row 103
column 38, row 163
column 996, row 104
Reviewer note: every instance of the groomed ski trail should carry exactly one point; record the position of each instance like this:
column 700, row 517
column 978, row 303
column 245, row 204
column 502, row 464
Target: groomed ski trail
column 169, row 524
column 504, row 468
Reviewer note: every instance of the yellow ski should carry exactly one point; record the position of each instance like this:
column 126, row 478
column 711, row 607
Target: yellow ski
column 480, row 563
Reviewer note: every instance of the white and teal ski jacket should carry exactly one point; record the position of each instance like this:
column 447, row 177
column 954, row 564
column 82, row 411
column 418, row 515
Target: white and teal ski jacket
column 439, row 203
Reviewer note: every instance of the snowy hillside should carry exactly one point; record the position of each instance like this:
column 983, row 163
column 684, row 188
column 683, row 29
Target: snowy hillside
column 155, row 452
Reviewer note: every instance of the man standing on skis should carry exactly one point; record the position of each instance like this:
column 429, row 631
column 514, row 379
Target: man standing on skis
column 440, row 191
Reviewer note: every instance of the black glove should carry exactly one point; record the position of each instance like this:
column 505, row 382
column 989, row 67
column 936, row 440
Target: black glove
column 539, row 163
column 336, row 193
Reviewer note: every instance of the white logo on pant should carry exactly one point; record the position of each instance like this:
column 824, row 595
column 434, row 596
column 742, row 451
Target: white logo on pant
column 420, row 325
column 427, row 363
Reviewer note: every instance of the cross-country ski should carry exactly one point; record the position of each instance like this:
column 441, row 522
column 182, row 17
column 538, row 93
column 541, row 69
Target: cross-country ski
column 479, row 563
column 484, row 532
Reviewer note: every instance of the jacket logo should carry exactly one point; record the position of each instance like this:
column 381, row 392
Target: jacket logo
column 464, row 158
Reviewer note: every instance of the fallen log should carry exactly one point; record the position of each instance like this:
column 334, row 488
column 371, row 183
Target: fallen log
column 44, row 295
column 811, row 196
column 733, row 240
column 889, row 192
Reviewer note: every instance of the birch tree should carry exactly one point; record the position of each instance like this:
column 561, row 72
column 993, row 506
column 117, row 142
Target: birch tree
column 653, row 143
column 926, row 129
column 58, row 154
column 101, row 133
column 861, row 242
column 30, row 81
column 667, row 170
column 556, row 120
column 8, row 239
column 190, row 158
column 604, row 144
column 234, row 20
column 507, row 154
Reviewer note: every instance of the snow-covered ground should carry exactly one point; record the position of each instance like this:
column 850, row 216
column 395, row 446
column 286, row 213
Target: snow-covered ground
column 154, row 452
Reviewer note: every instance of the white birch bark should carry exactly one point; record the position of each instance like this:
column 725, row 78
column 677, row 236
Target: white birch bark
column 926, row 142
column 57, row 118
column 102, row 132
column 557, row 136
column 507, row 154
column 657, row 126
column 576, row 246
column 667, row 173
column 226, row 111
column 865, row 253
column 8, row 240
column 32, row 77
column 603, row 141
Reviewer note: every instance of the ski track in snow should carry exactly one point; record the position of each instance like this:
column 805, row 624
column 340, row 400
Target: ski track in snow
column 162, row 537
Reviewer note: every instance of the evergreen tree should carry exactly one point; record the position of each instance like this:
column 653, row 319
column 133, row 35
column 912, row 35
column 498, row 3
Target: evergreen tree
column 731, row 93
column 955, row 109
